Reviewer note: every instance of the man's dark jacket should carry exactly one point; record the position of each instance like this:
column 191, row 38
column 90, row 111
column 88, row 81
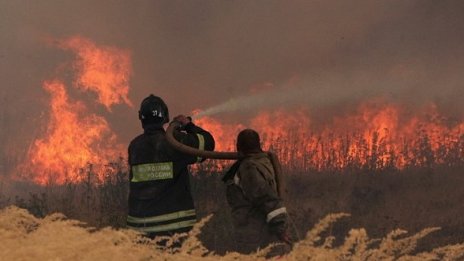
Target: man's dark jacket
column 160, row 200
column 257, row 210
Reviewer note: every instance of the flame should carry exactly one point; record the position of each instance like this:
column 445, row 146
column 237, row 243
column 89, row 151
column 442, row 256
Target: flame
column 104, row 70
column 78, row 144
column 224, row 134
column 74, row 139
column 377, row 135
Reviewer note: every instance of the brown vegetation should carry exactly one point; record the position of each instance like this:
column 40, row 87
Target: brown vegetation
column 25, row 237
column 382, row 205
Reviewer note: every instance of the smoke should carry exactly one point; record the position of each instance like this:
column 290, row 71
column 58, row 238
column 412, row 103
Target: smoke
column 209, row 54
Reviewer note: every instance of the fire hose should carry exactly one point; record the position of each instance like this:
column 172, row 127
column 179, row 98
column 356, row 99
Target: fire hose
column 193, row 151
column 281, row 189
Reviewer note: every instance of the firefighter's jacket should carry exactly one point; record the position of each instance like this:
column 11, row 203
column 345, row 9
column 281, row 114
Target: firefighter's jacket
column 252, row 191
column 160, row 200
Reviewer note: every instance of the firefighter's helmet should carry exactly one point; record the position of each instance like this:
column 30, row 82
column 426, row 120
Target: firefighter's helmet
column 153, row 110
column 248, row 141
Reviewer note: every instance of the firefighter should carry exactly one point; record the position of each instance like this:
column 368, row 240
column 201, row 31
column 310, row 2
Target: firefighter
column 258, row 214
column 160, row 198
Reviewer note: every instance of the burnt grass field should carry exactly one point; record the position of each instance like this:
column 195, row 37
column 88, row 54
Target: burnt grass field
column 377, row 200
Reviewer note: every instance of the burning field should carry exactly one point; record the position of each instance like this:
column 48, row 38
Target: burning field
column 75, row 136
column 363, row 160
column 376, row 134
column 365, row 115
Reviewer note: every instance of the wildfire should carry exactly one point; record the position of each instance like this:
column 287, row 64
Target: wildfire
column 75, row 137
column 377, row 135
column 104, row 70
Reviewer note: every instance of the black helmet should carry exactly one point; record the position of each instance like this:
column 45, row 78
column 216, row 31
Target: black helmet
column 248, row 141
column 153, row 110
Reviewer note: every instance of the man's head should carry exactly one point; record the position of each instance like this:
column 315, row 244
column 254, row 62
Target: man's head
column 248, row 142
column 153, row 110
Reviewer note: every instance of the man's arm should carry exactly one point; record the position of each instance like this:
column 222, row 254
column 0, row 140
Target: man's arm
column 194, row 136
column 262, row 196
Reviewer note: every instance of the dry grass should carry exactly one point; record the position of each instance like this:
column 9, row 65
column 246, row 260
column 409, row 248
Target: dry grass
column 379, row 202
column 25, row 237
column 383, row 203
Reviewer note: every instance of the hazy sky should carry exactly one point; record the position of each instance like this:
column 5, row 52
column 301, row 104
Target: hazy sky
column 196, row 54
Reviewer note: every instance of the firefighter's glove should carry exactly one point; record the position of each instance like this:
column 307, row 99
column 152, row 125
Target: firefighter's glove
column 285, row 237
column 278, row 225
column 279, row 228
column 183, row 120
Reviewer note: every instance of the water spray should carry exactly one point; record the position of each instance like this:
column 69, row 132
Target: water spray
column 313, row 94
column 239, row 104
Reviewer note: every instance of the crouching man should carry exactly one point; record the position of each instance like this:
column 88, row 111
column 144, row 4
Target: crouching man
column 258, row 214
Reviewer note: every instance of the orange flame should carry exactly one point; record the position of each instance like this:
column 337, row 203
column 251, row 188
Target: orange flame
column 76, row 138
column 104, row 70
column 377, row 135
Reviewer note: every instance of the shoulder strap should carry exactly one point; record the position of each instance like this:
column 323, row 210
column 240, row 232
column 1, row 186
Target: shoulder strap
column 279, row 175
column 230, row 174
column 264, row 169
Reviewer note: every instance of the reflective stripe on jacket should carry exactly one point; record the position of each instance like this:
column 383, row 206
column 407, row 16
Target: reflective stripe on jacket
column 162, row 223
column 252, row 191
column 160, row 199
